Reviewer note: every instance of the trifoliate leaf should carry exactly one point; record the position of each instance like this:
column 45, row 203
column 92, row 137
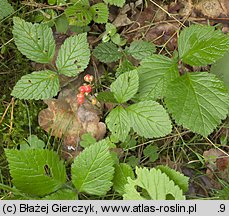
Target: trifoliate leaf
column 151, row 151
column 201, row 45
column 178, row 178
column 35, row 41
column 99, row 12
column 79, row 15
column 149, row 119
column 93, row 169
column 198, row 101
column 86, row 140
column 74, row 55
column 118, row 123
column 5, row 9
column 107, row 52
column 118, row 3
column 37, row 85
column 140, row 49
column 36, row 171
column 122, row 172
column 157, row 185
column 221, row 69
column 155, row 73
column 125, row 86
column 62, row 194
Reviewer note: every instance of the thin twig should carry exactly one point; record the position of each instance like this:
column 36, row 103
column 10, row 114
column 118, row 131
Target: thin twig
column 225, row 153
column 12, row 115
column 3, row 116
column 43, row 6
column 170, row 15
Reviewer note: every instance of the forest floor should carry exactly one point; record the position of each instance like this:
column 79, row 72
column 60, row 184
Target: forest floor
column 203, row 159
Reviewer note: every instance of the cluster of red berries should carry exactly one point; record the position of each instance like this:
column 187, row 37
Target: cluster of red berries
column 84, row 89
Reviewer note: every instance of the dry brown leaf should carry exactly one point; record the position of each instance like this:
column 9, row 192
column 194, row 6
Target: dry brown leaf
column 150, row 24
column 122, row 20
column 164, row 34
column 213, row 8
column 210, row 8
column 217, row 163
column 186, row 8
column 64, row 118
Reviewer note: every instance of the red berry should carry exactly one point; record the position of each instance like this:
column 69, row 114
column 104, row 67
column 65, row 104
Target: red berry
column 80, row 96
column 82, row 89
column 80, row 100
column 88, row 78
column 87, row 88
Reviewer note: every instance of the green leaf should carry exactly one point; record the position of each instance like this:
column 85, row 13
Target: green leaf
column 83, row 2
column 223, row 194
column 106, row 97
column 74, row 55
column 122, row 172
column 201, row 45
column 5, row 9
column 129, row 144
column 14, row 191
column 36, row 171
column 51, row 2
column 61, row 2
column 93, row 169
column 155, row 184
column 99, row 12
column 155, row 73
column 118, row 123
column 178, row 178
column 111, row 29
column 125, row 86
column 34, row 143
column 140, row 49
column 87, row 140
column 220, row 69
column 198, row 101
column 37, row 85
column 107, row 52
column 149, row 119
column 61, row 24
column 151, row 151
column 35, row 41
column 123, row 67
column 62, row 194
column 118, row 3
column 116, row 38
column 133, row 161
column 79, row 15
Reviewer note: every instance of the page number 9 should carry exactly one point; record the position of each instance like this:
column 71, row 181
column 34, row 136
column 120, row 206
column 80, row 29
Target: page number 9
column 222, row 208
